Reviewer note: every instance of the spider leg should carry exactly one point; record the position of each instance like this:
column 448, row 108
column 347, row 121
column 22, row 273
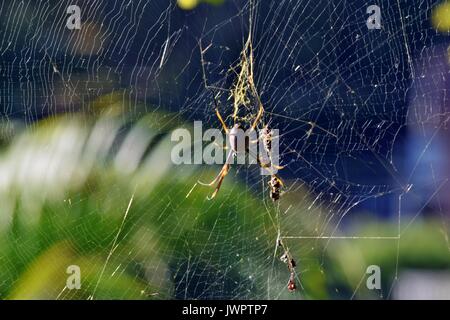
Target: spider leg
column 262, row 164
column 216, row 178
column 222, row 176
column 221, row 120
column 258, row 116
column 219, row 178
column 219, row 146
column 223, row 172
column 270, row 164
column 255, row 141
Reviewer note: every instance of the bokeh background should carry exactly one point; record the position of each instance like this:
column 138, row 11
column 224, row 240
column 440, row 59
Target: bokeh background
column 85, row 137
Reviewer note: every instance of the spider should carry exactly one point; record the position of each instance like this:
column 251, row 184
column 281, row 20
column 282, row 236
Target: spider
column 244, row 86
column 233, row 141
column 244, row 94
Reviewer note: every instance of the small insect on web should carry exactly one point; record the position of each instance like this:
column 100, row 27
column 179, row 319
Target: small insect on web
column 245, row 97
column 275, row 183
column 290, row 262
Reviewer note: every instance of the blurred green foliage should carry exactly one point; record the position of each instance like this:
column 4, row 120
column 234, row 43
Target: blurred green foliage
column 65, row 188
column 71, row 181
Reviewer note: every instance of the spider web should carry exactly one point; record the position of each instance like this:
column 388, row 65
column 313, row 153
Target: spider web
column 342, row 96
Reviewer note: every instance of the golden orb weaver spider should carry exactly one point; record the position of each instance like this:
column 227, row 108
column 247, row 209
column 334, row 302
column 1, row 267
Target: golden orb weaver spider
column 244, row 86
